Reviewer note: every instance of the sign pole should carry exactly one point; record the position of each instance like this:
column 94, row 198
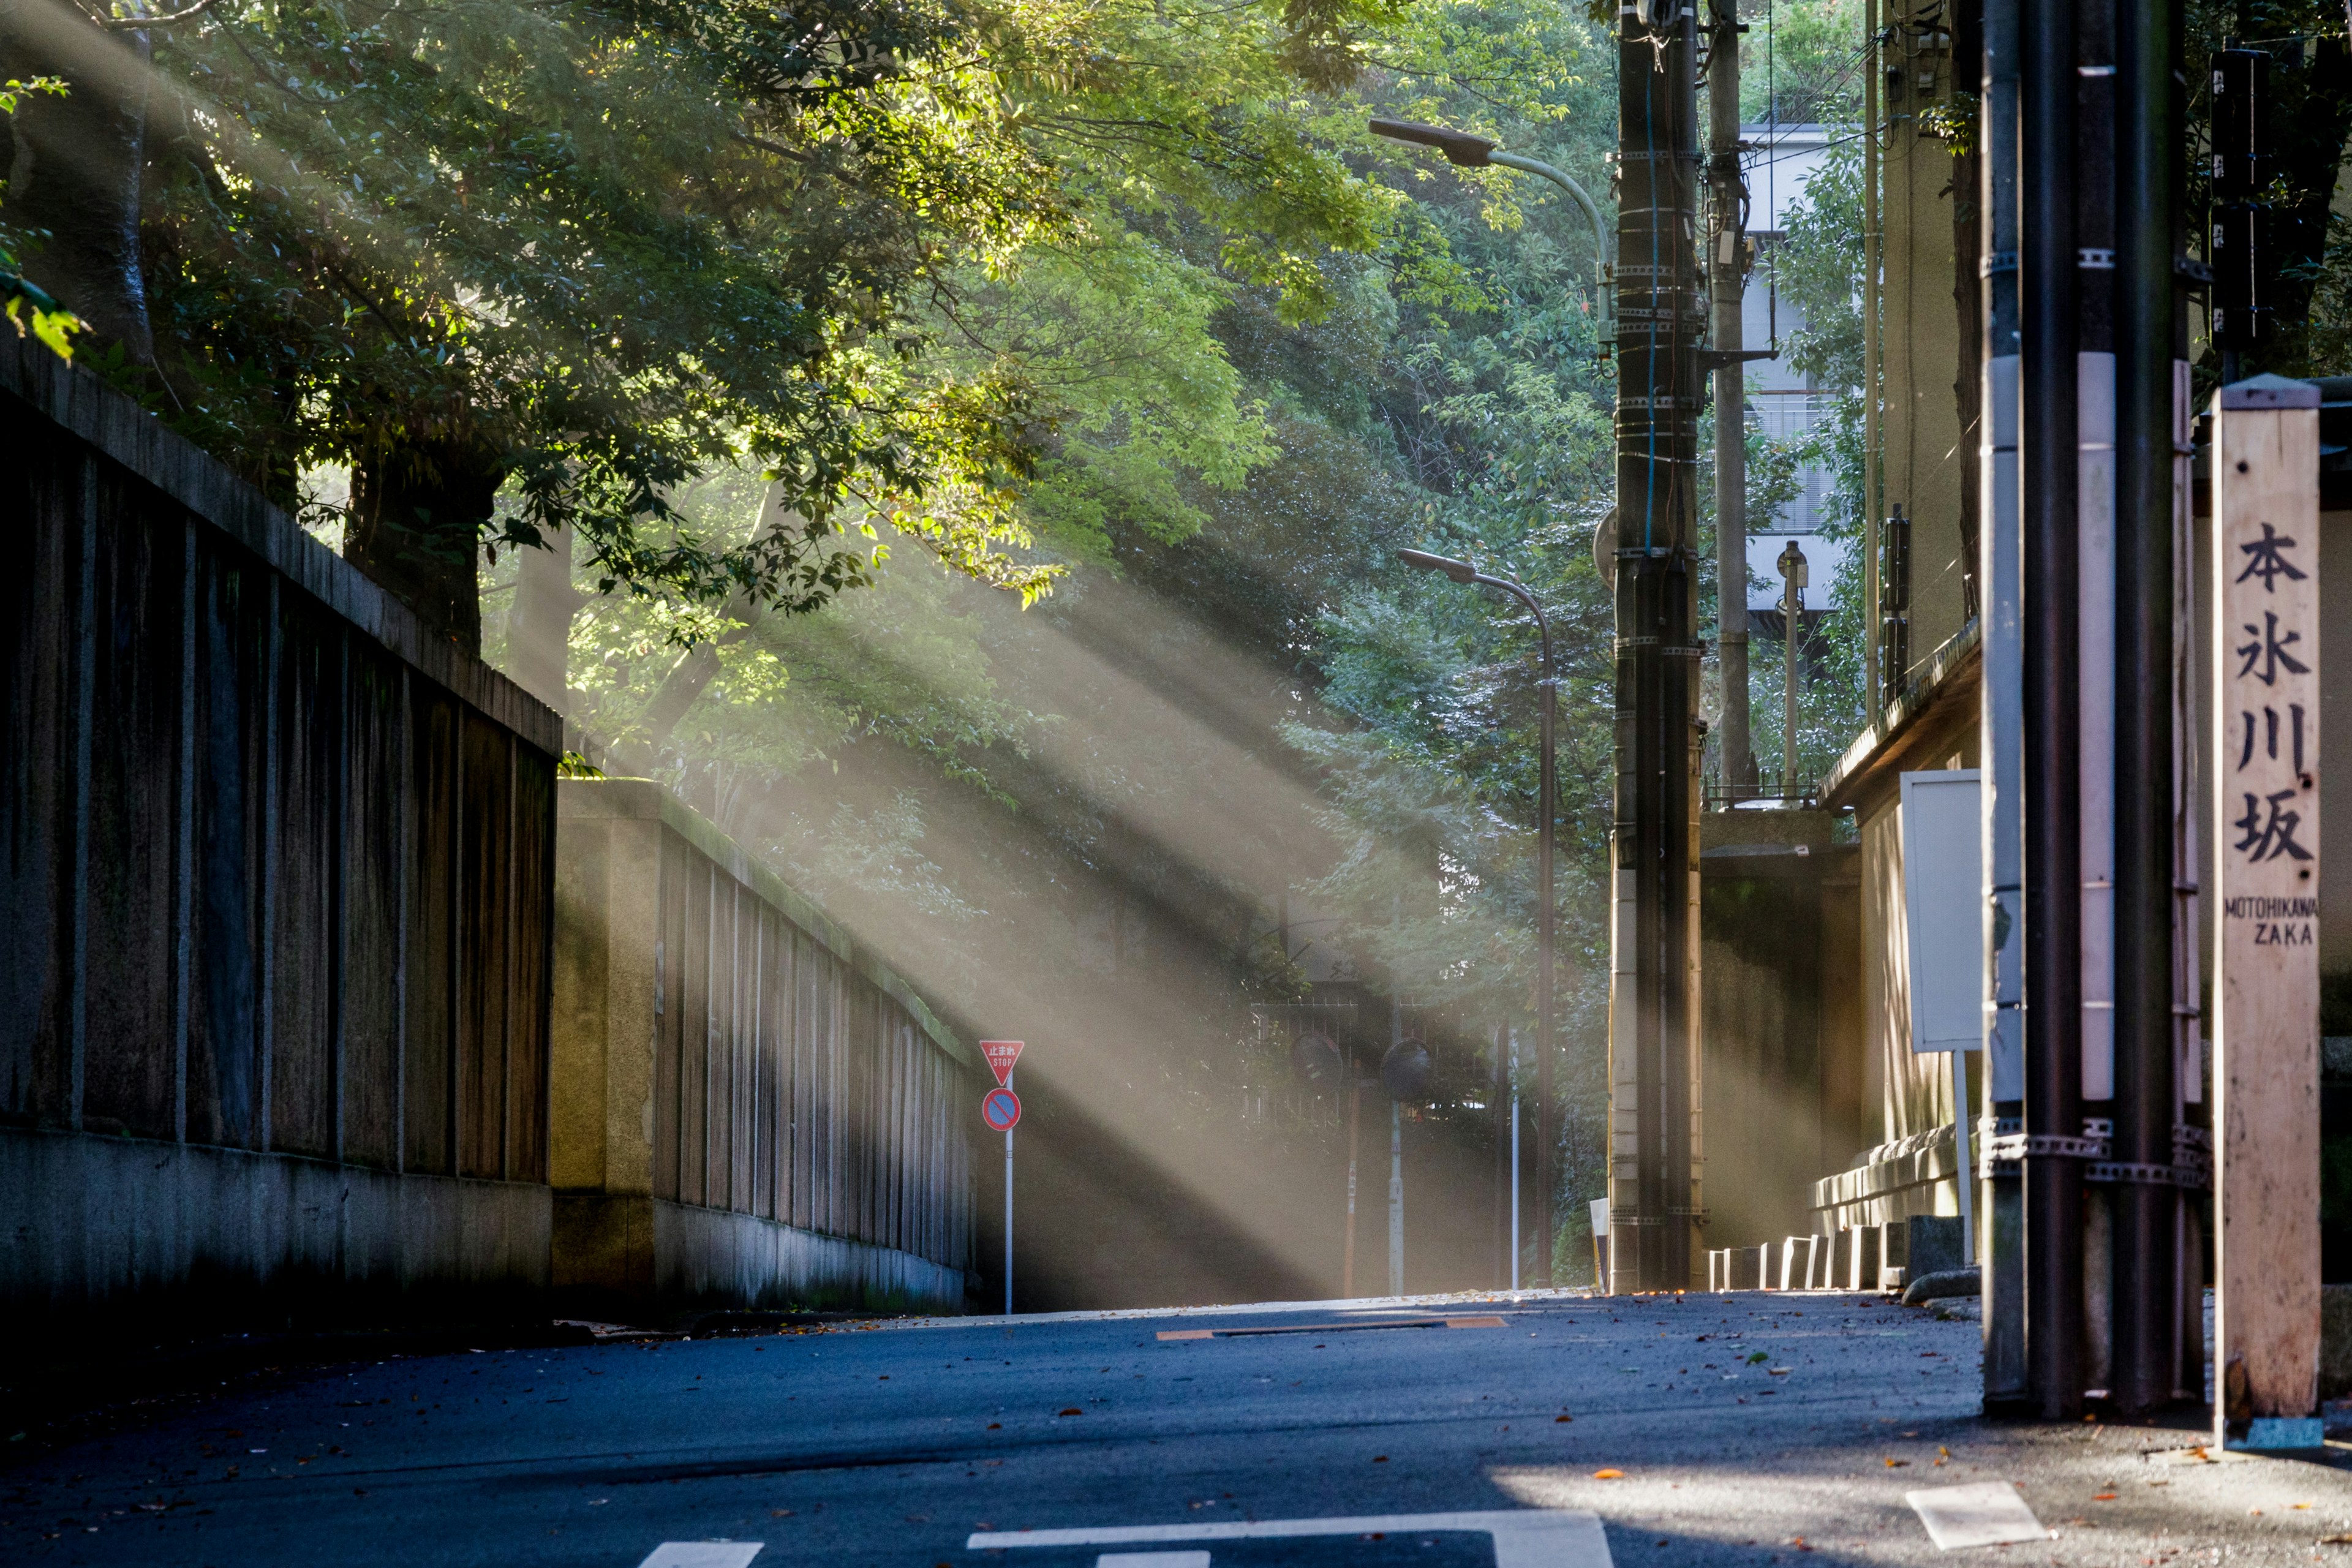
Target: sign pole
column 1008, row 1212
column 1001, row 1108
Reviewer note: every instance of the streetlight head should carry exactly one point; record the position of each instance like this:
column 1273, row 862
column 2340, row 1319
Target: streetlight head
column 1459, row 146
column 1460, row 571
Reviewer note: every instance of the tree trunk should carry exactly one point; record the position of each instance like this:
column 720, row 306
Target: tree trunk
column 418, row 513
column 74, row 165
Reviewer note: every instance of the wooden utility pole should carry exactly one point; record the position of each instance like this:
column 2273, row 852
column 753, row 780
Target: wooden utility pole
column 1653, row 1140
column 2265, row 634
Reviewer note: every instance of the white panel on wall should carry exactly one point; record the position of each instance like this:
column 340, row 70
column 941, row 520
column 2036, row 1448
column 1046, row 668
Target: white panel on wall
column 1943, row 906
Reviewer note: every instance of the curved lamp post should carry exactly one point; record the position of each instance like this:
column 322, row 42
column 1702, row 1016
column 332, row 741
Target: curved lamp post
column 1476, row 153
column 1545, row 811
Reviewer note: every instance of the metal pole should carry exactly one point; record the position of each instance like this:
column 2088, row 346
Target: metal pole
column 1560, row 177
column 1008, row 1212
column 1515, row 1159
column 1348, row 1251
column 1396, row 1199
column 1396, row 1138
column 2049, row 468
column 2146, row 178
column 1793, row 610
column 1727, row 269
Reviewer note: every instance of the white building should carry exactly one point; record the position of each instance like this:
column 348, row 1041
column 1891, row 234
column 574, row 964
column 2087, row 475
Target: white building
column 1781, row 161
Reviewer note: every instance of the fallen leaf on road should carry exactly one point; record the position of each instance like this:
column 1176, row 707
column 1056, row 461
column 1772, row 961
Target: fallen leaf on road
column 780, row 1513
column 1608, row 1475
column 2335, row 1540
column 1379, row 1458
column 996, row 1425
column 1073, row 1410
column 1897, row 1464
column 1558, row 1419
column 1779, row 1370
column 2103, row 1497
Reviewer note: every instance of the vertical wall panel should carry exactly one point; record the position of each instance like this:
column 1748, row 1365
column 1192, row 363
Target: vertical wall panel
column 485, row 804
column 430, row 1074
column 372, row 869
column 36, row 778
column 306, row 732
column 224, row 1026
column 134, row 826
column 803, row 1039
column 533, row 924
column 669, row 1092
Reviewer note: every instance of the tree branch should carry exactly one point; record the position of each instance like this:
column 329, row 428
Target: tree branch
column 136, row 24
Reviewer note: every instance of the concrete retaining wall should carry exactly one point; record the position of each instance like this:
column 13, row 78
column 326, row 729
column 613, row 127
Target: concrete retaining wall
column 748, row 1110
column 98, row 1226
column 276, row 892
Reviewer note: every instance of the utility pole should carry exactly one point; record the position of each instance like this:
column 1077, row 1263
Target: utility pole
column 2048, row 273
column 1653, row 1141
column 1727, row 276
column 2147, row 307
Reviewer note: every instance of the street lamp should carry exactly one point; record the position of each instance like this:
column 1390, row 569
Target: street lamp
column 1546, row 792
column 1470, row 151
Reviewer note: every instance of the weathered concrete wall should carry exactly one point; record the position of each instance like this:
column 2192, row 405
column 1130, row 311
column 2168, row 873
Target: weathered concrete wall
column 115, row 1224
column 1781, row 1043
column 748, row 1110
column 276, row 873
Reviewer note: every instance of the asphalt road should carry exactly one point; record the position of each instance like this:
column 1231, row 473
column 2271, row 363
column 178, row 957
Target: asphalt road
column 1749, row 1429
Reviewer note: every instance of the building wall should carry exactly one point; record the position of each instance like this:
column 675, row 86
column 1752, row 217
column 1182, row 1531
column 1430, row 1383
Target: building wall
column 1925, row 452
column 748, row 1110
column 276, row 886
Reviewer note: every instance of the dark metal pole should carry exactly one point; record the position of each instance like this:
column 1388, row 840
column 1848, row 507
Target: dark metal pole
column 2053, row 978
column 1660, row 317
column 2147, row 117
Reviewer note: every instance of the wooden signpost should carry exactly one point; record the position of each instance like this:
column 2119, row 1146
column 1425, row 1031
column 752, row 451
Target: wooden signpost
column 2265, row 632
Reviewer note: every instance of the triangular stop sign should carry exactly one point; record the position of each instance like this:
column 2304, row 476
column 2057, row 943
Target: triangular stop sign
column 1000, row 1055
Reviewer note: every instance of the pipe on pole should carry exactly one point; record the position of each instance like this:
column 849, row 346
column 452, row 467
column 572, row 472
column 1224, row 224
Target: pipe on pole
column 2001, row 714
column 1659, row 319
column 2048, row 465
column 1727, row 275
column 2147, row 113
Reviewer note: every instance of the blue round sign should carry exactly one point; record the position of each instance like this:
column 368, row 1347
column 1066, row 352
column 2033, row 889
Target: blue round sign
column 1001, row 1108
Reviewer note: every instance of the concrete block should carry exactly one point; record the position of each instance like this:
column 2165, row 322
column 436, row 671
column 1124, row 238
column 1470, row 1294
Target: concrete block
column 1932, row 1244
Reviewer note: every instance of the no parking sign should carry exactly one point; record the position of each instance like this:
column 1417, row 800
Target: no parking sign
column 1001, row 1108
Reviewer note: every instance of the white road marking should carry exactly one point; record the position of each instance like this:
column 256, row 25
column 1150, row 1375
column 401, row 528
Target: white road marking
column 1523, row 1537
column 1152, row 1560
column 703, row 1554
column 1986, row 1513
